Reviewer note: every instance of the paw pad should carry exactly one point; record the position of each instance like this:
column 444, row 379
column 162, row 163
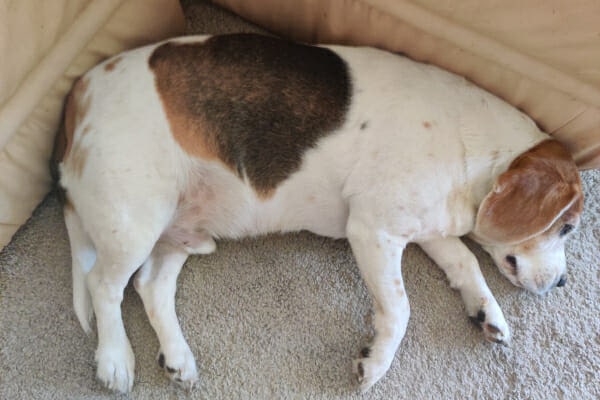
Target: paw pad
column 479, row 318
column 163, row 365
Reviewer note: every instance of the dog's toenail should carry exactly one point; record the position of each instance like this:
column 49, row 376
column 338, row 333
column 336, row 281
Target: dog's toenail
column 361, row 370
column 562, row 281
column 365, row 352
column 171, row 370
column 493, row 329
column 161, row 360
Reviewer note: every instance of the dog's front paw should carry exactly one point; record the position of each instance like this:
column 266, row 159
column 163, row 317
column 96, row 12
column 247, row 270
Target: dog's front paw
column 116, row 367
column 369, row 368
column 491, row 320
column 180, row 368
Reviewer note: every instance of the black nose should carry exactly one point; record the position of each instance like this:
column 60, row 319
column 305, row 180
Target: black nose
column 562, row 281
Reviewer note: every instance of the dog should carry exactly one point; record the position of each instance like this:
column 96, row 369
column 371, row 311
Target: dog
column 171, row 146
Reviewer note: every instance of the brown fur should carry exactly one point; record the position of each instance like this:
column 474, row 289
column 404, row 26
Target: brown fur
column 253, row 102
column 109, row 66
column 75, row 107
column 540, row 187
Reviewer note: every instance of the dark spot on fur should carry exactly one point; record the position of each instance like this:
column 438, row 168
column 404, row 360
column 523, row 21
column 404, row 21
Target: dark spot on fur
column 479, row 319
column 427, row 124
column 365, row 352
column 254, row 102
column 364, row 125
column 109, row 66
column 170, row 370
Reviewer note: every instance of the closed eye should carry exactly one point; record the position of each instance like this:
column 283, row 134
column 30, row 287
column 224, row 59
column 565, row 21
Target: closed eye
column 565, row 230
column 512, row 261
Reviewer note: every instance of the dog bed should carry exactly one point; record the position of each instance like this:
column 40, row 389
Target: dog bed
column 44, row 46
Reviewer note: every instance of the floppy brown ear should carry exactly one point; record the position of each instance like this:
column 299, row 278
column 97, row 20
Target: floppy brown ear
column 539, row 186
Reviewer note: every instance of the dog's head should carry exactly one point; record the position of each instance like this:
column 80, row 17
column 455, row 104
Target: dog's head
column 524, row 221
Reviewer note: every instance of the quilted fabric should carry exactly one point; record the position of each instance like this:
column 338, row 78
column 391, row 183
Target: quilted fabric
column 44, row 46
column 542, row 56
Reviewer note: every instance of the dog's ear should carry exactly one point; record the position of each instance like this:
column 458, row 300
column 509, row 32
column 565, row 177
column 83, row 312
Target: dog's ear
column 538, row 188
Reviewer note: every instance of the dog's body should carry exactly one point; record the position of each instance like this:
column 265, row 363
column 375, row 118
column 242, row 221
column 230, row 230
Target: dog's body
column 172, row 145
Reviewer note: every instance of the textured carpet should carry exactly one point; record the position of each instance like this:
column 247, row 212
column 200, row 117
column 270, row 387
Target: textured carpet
column 283, row 316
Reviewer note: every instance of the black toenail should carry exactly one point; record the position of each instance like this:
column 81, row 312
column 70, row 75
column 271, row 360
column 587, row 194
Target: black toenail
column 171, row 370
column 562, row 281
column 479, row 319
column 161, row 360
column 361, row 370
column 365, row 352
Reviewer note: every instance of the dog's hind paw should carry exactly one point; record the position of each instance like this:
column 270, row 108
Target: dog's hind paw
column 181, row 371
column 116, row 368
column 369, row 369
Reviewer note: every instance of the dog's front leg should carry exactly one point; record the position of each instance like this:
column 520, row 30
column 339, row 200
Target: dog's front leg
column 378, row 255
column 462, row 270
column 156, row 284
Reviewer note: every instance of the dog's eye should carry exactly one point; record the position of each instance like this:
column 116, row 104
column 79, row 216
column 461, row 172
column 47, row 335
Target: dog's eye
column 512, row 261
column 566, row 229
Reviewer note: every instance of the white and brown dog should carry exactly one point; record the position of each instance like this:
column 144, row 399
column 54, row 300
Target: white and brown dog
column 172, row 145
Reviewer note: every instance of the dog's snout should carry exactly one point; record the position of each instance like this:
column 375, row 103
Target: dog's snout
column 562, row 281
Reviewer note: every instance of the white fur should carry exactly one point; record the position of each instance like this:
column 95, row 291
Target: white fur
column 432, row 146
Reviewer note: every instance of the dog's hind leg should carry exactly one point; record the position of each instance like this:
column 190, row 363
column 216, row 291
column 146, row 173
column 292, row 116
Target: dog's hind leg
column 106, row 282
column 156, row 284
column 378, row 255
column 83, row 256
column 462, row 270
column 123, row 242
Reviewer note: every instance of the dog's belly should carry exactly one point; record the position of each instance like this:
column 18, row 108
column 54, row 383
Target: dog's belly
column 218, row 203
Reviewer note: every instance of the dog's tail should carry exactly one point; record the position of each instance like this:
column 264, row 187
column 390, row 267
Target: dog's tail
column 83, row 256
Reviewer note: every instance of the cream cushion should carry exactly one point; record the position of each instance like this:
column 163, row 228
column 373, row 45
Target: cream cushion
column 44, row 46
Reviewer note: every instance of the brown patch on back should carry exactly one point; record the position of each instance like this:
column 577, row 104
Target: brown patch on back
column 109, row 66
column 253, row 102
column 540, row 187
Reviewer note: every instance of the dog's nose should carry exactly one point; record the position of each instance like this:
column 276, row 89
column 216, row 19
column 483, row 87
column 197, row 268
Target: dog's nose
column 562, row 281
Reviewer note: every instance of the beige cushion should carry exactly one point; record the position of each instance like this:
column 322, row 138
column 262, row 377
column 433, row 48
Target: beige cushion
column 44, row 46
column 541, row 56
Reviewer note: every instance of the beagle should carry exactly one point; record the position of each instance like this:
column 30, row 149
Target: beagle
column 171, row 146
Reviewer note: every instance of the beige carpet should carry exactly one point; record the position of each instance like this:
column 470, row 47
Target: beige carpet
column 283, row 317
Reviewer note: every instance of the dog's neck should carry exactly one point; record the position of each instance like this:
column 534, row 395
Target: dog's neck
column 487, row 156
